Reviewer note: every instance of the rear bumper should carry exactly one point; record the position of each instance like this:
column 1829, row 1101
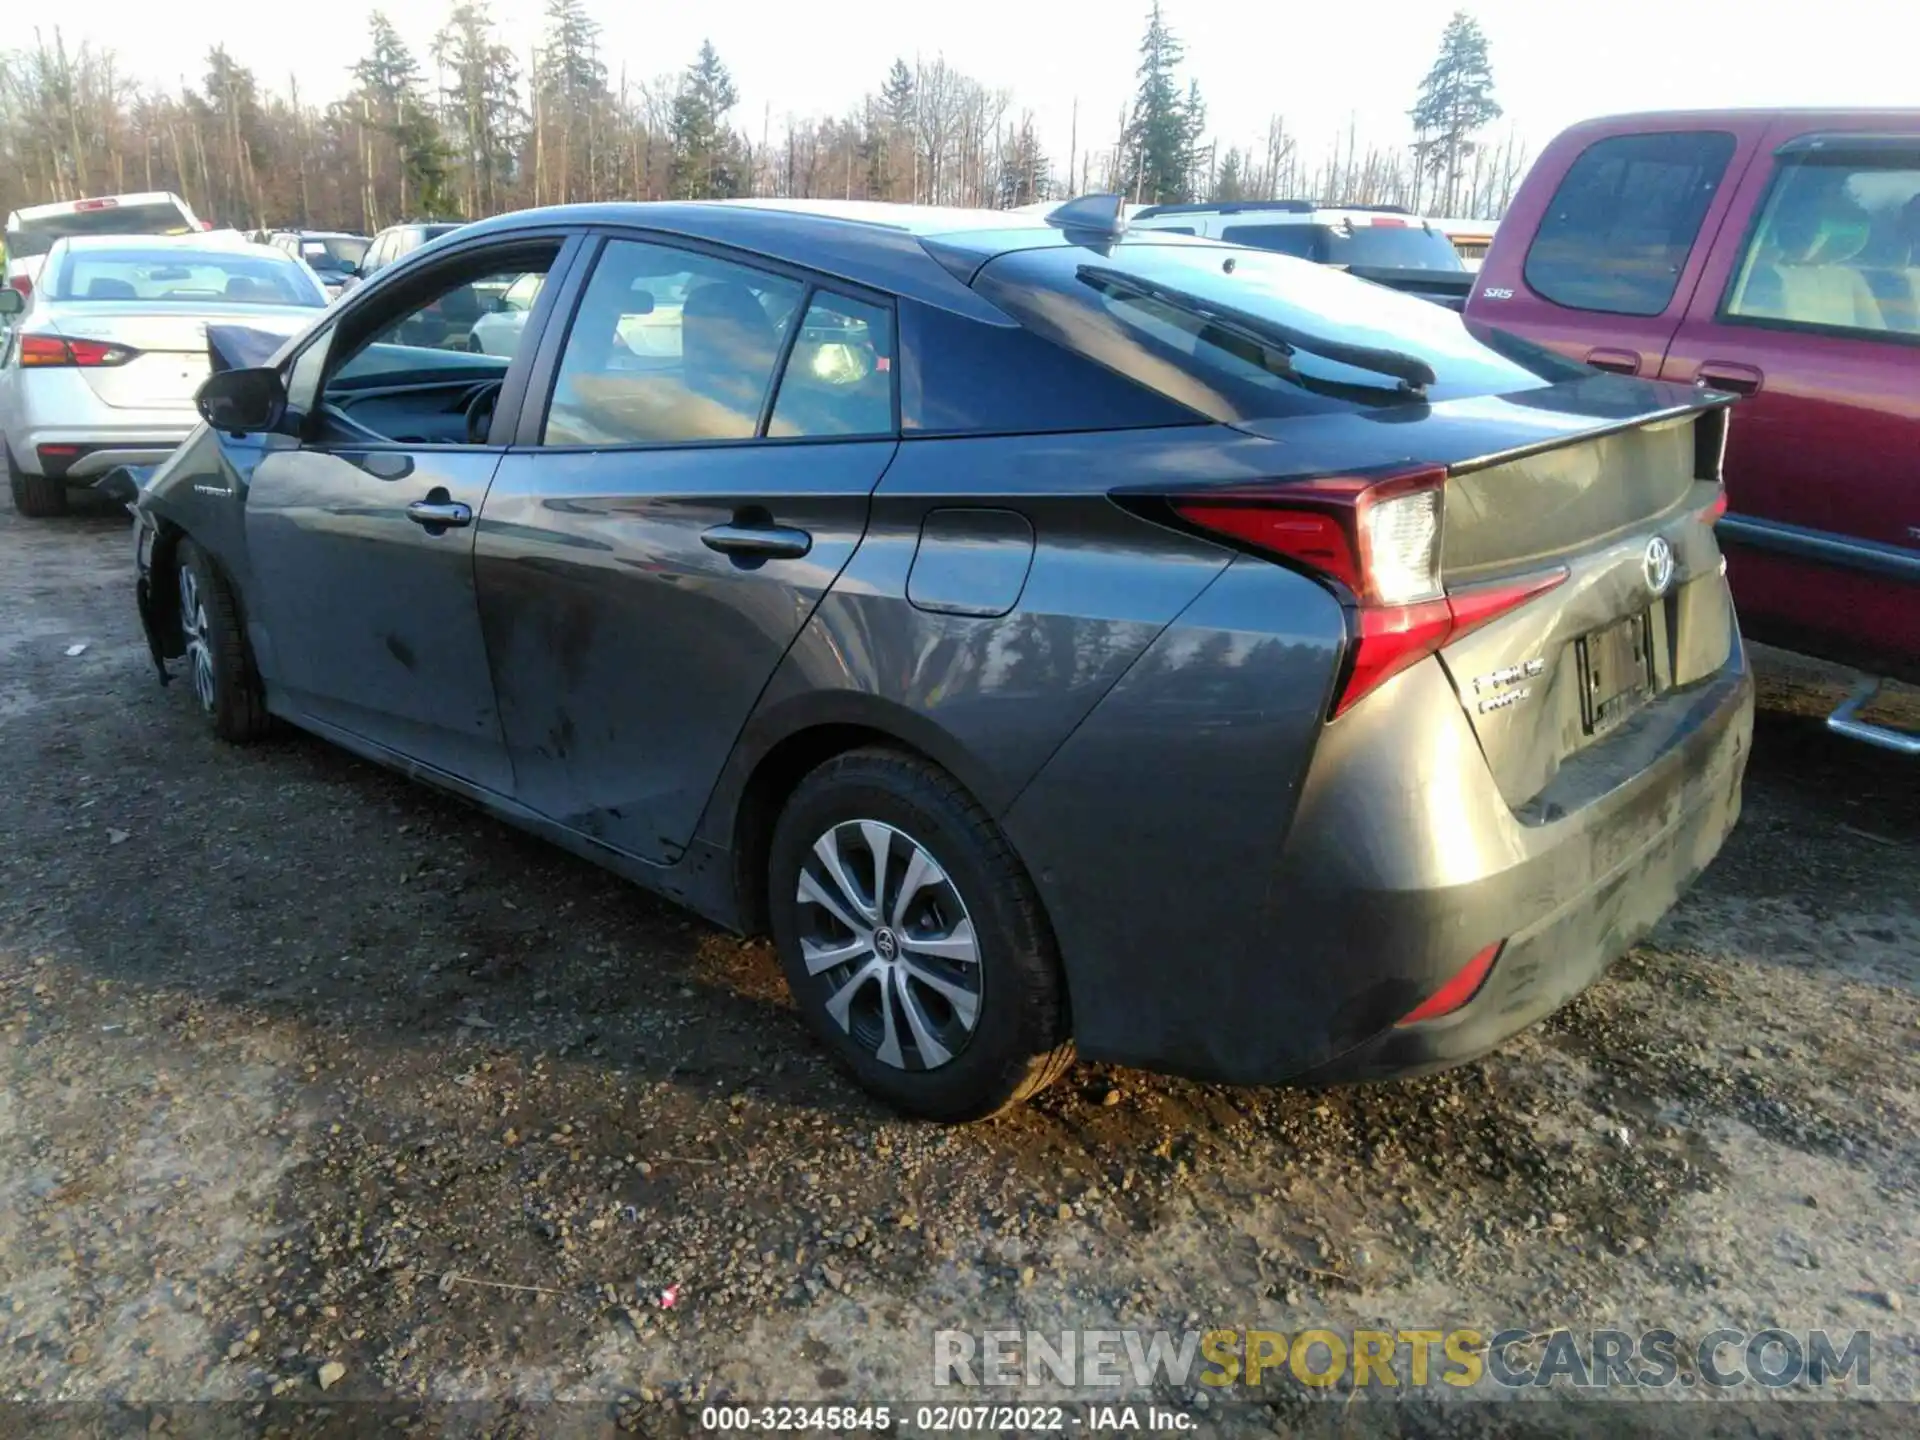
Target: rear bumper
column 1555, row 957
column 1267, row 899
column 56, row 409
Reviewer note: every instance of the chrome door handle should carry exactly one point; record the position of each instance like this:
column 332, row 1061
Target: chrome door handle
column 758, row 542
column 440, row 514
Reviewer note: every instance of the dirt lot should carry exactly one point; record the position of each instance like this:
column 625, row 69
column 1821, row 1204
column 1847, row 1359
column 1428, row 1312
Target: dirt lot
column 308, row 1066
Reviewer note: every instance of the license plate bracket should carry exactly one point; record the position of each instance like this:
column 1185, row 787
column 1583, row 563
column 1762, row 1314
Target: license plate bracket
column 1616, row 672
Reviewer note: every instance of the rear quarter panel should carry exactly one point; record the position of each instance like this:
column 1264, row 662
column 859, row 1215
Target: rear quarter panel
column 991, row 696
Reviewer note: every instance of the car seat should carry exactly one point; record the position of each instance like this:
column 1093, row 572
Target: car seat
column 1809, row 269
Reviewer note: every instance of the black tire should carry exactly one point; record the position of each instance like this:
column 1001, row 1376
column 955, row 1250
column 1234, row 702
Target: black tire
column 1018, row 1040
column 34, row 496
column 220, row 672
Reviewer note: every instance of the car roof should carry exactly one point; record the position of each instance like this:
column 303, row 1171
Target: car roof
column 924, row 252
column 1748, row 121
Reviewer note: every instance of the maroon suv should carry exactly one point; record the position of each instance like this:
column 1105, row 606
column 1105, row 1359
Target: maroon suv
column 1775, row 254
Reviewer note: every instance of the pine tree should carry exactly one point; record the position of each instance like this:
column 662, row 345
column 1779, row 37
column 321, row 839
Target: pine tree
column 1193, row 113
column 390, row 105
column 896, row 116
column 573, row 102
column 706, row 159
column 1455, row 101
column 1231, row 183
column 1159, row 134
column 480, row 102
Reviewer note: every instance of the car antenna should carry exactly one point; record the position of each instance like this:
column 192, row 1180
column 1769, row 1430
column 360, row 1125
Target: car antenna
column 1102, row 215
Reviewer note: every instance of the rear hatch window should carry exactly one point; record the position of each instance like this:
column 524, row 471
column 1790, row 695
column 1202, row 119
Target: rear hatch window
column 1381, row 245
column 1241, row 336
column 36, row 236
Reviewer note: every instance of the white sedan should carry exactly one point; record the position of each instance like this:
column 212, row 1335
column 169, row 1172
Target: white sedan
column 101, row 369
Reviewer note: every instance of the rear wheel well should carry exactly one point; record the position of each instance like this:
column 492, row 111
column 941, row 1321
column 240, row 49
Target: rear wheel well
column 773, row 780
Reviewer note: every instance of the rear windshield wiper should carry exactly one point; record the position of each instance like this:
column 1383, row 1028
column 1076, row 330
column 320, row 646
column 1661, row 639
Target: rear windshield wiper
column 1413, row 373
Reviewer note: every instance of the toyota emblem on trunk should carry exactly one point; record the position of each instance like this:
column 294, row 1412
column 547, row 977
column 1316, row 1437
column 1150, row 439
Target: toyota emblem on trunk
column 1657, row 565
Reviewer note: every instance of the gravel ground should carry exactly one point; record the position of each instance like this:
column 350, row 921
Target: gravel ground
column 308, row 1067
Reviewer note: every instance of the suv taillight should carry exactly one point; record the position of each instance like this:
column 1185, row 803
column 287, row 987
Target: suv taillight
column 40, row 351
column 1376, row 542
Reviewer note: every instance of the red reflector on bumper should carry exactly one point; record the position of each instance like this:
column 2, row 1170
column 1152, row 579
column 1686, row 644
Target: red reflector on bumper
column 1464, row 985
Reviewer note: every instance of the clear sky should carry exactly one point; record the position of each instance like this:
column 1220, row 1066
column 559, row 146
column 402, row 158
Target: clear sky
column 1322, row 64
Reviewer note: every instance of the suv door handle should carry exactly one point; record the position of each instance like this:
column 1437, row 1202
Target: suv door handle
column 437, row 515
column 758, row 542
column 1724, row 375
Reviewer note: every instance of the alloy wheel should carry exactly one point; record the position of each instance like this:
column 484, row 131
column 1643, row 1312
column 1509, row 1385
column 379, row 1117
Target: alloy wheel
column 886, row 929
column 195, row 633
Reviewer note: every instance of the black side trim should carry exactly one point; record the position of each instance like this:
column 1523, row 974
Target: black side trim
column 1843, row 551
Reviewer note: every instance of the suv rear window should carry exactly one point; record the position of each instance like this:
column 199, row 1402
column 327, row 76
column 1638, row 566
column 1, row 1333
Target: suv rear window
column 1617, row 232
column 1372, row 247
column 36, row 236
column 1194, row 352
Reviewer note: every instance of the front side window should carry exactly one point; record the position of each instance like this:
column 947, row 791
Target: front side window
column 182, row 277
column 1837, row 247
column 421, row 336
column 839, row 376
column 669, row 347
column 422, row 374
column 1618, row 231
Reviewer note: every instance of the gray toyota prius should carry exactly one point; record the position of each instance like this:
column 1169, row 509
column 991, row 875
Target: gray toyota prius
column 1060, row 640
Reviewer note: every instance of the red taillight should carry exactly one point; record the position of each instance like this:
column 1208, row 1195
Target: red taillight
column 1464, row 985
column 48, row 350
column 1387, row 220
column 206, row 225
column 1718, row 508
column 106, row 204
column 1378, row 539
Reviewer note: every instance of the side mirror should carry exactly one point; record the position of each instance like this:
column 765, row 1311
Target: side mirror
column 242, row 401
column 12, row 302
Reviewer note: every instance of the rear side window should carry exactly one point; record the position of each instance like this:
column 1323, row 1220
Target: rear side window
column 839, row 375
column 1306, row 241
column 1837, row 248
column 963, row 377
column 1619, row 229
